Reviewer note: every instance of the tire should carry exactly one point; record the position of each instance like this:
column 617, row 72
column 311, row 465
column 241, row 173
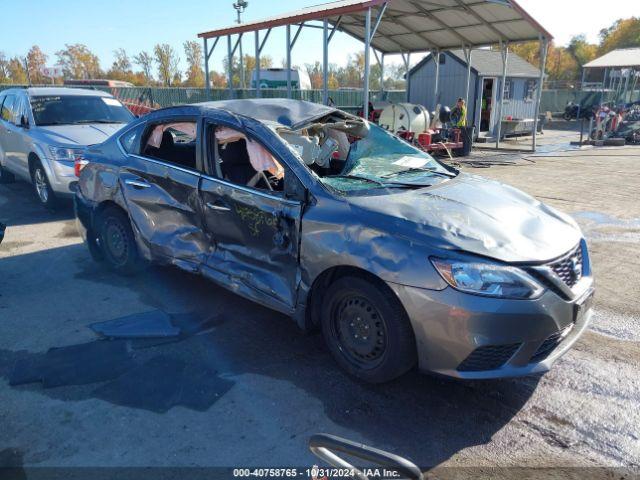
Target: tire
column 367, row 330
column 567, row 116
column 117, row 242
column 42, row 187
column 6, row 176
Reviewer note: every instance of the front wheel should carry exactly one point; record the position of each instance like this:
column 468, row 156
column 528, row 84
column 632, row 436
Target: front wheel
column 367, row 330
column 42, row 187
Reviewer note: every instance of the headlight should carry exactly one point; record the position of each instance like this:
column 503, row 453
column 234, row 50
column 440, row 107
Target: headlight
column 65, row 154
column 491, row 280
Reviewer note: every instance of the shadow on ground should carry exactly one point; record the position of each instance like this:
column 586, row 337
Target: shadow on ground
column 30, row 211
column 422, row 417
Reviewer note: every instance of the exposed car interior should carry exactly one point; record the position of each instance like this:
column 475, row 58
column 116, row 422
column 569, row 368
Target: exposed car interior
column 325, row 144
column 172, row 142
column 244, row 161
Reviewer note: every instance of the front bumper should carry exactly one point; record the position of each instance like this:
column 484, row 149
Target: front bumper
column 62, row 177
column 473, row 337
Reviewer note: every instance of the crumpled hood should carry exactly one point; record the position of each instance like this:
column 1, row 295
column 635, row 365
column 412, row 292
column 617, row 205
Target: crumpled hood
column 89, row 134
column 476, row 215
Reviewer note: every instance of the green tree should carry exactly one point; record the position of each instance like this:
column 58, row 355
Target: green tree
column 195, row 58
column 4, row 68
column 36, row 59
column 167, row 62
column 624, row 33
column 79, row 62
column 17, row 71
column 145, row 61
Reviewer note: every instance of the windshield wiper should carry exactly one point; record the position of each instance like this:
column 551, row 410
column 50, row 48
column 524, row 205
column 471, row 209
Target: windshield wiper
column 416, row 170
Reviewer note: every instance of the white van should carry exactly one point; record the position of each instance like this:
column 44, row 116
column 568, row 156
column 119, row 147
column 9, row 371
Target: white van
column 277, row 78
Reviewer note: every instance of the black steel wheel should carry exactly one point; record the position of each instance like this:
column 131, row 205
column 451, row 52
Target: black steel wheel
column 117, row 242
column 367, row 329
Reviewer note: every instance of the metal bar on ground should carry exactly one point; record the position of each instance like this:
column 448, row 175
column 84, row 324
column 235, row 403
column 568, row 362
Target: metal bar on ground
column 257, row 52
column 544, row 49
column 325, row 61
column 367, row 61
column 504, row 50
column 288, row 61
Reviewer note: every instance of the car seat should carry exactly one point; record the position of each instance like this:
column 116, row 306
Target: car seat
column 236, row 166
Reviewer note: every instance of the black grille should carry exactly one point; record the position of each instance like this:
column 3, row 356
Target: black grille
column 488, row 358
column 569, row 269
column 550, row 344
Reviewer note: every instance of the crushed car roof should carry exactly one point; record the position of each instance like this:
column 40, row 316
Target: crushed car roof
column 290, row 113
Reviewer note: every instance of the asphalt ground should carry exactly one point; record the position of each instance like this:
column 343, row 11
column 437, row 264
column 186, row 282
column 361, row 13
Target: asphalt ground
column 244, row 387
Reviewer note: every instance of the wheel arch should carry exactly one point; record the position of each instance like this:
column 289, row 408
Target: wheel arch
column 327, row 277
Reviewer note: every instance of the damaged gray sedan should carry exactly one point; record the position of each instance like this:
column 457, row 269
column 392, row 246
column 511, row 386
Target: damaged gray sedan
column 399, row 259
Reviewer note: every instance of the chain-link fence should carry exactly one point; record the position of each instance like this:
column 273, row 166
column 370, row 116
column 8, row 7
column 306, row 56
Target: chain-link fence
column 158, row 97
column 347, row 99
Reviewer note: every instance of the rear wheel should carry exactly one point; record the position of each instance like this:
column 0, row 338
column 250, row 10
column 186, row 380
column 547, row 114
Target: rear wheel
column 367, row 330
column 42, row 187
column 117, row 242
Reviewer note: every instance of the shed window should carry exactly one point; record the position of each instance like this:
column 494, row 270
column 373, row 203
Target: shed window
column 530, row 89
column 508, row 90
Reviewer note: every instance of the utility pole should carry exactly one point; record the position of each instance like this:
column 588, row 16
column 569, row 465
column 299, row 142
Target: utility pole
column 240, row 6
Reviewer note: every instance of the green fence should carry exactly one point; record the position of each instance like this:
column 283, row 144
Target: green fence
column 157, row 97
column 346, row 99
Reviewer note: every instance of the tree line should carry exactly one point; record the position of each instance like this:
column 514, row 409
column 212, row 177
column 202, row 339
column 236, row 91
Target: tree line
column 161, row 66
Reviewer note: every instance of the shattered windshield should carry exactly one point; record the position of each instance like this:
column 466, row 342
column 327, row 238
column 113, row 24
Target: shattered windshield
column 351, row 155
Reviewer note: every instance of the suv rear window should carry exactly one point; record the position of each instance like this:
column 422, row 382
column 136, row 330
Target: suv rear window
column 78, row 109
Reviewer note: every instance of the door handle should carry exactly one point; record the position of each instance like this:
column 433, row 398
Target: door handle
column 218, row 208
column 137, row 183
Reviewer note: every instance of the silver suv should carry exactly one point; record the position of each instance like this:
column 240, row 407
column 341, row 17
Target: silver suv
column 44, row 130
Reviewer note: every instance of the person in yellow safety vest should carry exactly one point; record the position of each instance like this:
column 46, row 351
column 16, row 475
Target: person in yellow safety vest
column 459, row 114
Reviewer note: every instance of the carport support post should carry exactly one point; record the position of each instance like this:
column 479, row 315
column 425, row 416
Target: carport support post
column 288, row 61
column 467, row 57
column 436, row 56
column 381, row 76
column 504, row 49
column 257, row 42
column 207, row 86
column 544, row 48
column 407, row 79
column 229, row 66
column 325, row 61
column 367, row 61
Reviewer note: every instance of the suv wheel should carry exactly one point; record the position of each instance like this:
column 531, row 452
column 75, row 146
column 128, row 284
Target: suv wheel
column 42, row 187
column 6, row 176
column 117, row 242
column 367, row 330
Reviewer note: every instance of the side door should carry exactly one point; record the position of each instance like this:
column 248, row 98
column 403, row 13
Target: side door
column 19, row 140
column 254, row 231
column 159, row 182
column 7, row 132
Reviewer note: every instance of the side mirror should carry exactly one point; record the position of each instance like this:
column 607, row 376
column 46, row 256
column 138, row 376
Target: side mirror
column 24, row 123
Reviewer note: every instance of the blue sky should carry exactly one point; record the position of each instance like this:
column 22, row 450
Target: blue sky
column 137, row 25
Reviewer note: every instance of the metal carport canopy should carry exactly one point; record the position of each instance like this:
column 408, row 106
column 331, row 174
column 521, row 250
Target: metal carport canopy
column 414, row 25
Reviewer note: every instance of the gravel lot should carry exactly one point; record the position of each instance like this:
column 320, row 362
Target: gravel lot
column 247, row 388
